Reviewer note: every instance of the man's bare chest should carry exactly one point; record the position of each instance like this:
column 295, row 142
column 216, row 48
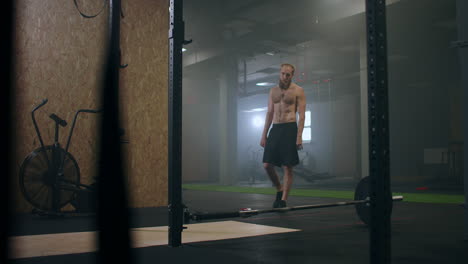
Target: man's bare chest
column 287, row 97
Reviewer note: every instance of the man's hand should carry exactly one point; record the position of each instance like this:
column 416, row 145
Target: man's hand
column 263, row 142
column 299, row 143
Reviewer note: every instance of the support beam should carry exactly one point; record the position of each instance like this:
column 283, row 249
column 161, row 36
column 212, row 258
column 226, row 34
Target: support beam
column 364, row 131
column 112, row 215
column 6, row 81
column 462, row 22
column 176, row 40
column 379, row 158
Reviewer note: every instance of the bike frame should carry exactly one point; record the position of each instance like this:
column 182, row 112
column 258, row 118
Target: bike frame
column 56, row 165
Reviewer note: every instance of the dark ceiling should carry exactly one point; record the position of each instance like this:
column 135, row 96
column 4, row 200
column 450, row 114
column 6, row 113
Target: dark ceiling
column 323, row 38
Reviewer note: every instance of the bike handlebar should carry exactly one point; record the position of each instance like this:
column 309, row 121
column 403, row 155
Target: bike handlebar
column 34, row 120
column 74, row 122
column 41, row 104
column 62, row 122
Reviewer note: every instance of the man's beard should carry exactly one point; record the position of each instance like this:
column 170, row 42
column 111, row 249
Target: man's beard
column 284, row 85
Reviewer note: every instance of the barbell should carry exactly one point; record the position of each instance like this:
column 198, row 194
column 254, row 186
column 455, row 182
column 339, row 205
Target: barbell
column 361, row 203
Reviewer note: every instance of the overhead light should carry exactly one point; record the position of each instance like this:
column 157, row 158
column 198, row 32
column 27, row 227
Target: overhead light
column 184, row 49
column 264, row 84
column 256, row 110
column 271, row 53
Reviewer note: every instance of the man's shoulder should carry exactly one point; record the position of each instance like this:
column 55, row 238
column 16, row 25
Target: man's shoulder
column 297, row 87
column 274, row 89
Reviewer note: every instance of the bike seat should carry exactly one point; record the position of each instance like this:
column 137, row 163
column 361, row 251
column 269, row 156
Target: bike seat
column 58, row 120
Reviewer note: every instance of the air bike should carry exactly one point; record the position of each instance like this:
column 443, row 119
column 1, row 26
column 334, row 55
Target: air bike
column 49, row 176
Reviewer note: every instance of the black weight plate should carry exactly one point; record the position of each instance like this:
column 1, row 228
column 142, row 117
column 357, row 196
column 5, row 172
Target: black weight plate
column 362, row 192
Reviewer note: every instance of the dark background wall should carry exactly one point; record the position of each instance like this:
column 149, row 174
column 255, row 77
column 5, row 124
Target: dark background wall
column 424, row 90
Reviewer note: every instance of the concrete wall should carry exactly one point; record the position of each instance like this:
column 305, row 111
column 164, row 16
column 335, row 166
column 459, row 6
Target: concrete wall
column 200, row 135
column 424, row 95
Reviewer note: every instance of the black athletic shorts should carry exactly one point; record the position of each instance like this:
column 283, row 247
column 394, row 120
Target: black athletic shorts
column 280, row 147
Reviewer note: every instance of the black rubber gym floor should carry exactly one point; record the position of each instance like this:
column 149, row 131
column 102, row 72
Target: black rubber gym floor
column 421, row 233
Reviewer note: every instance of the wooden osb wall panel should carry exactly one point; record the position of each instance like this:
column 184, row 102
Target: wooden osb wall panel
column 144, row 45
column 59, row 56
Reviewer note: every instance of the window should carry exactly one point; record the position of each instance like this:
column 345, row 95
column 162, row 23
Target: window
column 307, row 132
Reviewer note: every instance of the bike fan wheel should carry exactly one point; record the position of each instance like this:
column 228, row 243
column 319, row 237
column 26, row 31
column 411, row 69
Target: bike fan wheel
column 37, row 180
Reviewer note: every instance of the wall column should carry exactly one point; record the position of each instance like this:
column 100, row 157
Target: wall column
column 228, row 85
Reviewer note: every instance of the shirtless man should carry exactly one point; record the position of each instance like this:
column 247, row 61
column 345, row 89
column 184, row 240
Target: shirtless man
column 285, row 136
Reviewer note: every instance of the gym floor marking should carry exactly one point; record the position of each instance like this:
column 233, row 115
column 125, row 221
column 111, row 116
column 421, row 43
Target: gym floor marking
column 85, row 242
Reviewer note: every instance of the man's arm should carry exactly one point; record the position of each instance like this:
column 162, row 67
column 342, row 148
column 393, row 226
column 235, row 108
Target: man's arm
column 301, row 106
column 268, row 120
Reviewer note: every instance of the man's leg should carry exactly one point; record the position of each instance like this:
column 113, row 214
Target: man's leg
column 287, row 181
column 270, row 169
